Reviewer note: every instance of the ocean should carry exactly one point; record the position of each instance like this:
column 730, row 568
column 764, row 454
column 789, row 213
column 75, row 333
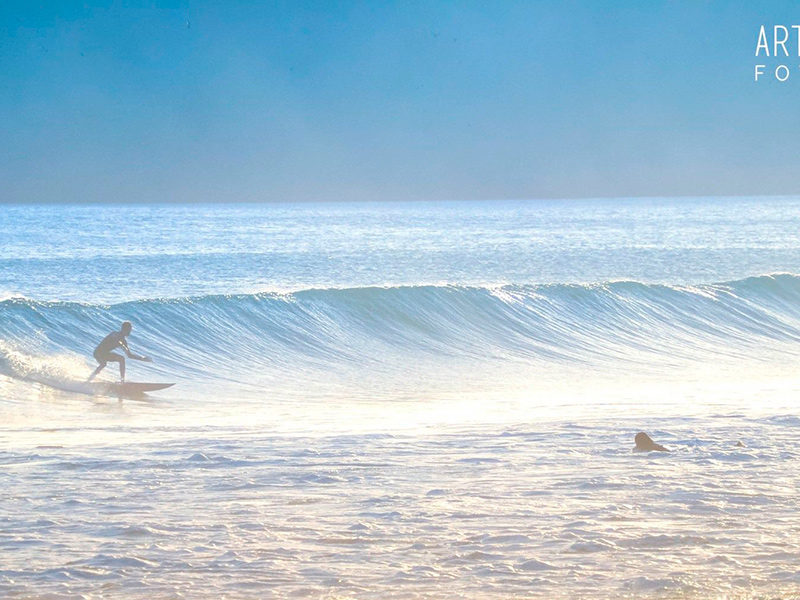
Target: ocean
column 403, row 400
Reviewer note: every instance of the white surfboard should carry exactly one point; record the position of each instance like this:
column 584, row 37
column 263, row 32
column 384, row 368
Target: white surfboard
column 103, row 388
column 128, row 388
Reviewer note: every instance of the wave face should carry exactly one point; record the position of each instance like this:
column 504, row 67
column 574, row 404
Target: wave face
column 310, row 333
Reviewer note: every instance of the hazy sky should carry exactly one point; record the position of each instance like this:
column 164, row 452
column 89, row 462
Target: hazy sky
column 108, row 101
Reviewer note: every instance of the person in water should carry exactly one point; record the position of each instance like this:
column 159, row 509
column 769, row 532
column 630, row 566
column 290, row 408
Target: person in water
column 116, row 339
column 644, row 443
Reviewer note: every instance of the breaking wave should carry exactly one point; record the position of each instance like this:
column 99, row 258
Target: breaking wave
column 372, row 327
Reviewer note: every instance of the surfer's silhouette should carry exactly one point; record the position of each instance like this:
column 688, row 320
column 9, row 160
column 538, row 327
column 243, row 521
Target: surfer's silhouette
column 116, row 339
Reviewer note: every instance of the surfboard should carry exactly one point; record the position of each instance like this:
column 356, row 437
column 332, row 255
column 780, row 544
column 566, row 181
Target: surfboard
column 130, row 388
column 101, row 388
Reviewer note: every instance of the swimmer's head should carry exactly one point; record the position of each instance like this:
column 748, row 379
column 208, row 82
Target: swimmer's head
column 645, row 443
column 126, row 328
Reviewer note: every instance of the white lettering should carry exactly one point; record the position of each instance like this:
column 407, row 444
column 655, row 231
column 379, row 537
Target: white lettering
column 759, row 71
column 780, row 42
column 782, row 69
column 762, row 42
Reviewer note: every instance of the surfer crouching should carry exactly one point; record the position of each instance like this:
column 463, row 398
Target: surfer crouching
column 116, row 339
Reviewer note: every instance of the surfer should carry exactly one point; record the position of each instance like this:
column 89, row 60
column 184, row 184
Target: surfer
column 116, row 339
column 644, row 443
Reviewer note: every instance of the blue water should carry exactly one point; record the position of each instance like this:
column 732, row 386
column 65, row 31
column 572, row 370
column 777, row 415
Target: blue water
column 291, row 295
column 465, row 377
column 101, row 254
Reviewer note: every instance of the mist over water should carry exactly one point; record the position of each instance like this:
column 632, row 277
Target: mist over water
column 391, row 400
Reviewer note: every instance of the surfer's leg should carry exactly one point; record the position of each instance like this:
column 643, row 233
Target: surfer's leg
column 97, row 370
column 114, row 357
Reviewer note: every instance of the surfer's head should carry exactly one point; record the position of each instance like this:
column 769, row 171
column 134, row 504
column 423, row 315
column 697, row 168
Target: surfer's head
column 644, row 443
column 126, row 328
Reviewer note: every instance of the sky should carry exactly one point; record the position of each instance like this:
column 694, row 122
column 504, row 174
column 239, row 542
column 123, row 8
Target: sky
column 299, row 101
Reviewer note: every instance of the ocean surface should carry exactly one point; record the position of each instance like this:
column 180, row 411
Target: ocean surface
column 388, row 400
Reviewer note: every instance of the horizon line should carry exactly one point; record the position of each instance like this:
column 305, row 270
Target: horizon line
column 396, row 200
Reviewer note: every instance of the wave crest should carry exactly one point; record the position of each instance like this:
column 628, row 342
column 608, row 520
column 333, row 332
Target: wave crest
column 322, row 328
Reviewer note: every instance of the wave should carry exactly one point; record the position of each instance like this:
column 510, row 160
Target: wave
column 289, row 334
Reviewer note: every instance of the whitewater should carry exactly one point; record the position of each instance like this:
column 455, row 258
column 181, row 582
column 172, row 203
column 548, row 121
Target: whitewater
column 403, row 400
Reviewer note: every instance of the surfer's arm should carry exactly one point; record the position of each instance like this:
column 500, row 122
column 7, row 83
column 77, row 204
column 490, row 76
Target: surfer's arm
column 130, row 354
column 138, row 357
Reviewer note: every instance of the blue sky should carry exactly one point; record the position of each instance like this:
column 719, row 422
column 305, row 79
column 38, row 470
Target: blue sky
column 265, row 101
